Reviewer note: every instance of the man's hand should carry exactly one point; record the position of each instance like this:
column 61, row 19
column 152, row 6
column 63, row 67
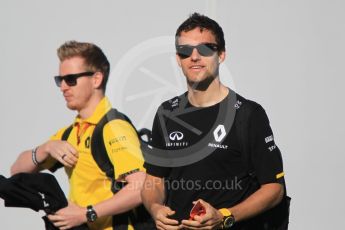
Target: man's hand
column 211, row 220
column 62, row 151
column 69, row 217
column 160, row 214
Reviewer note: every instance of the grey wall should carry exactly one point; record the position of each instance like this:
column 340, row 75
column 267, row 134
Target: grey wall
column 286, row 55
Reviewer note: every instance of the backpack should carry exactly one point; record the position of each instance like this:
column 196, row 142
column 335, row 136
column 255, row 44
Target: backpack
column 139, row 217
column 276, row 218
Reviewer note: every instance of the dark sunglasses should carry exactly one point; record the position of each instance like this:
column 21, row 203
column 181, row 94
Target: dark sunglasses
column 205, row 49
column 71, row 79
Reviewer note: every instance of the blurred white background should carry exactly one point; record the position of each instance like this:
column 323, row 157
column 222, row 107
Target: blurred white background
column 286, row 55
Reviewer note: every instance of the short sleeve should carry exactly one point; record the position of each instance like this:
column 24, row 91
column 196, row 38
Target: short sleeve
column 123, row 148
column 158, row 143
column 267, row 159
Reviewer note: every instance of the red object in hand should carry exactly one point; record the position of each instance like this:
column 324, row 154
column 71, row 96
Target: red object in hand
column 198, row 209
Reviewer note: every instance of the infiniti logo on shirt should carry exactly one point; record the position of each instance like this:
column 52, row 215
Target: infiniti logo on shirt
column 176, row 135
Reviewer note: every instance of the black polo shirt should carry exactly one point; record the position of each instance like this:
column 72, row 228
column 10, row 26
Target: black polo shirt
column 221, row 178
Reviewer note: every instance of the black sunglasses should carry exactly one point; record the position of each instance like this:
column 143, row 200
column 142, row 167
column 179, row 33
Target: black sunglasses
column 71, row 79
column 205, row 49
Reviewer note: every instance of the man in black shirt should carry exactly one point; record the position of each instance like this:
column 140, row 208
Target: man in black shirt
column 199, row 152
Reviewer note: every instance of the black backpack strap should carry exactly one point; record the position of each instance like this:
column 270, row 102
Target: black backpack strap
column 64, row 137
column 98, row 150
column 67, row 132
column 242, row 128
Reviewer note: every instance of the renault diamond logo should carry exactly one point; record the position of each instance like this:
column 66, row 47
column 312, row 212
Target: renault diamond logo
column 176, row 136
column 219, row 133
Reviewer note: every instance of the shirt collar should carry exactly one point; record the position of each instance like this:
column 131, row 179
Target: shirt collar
column 101, row 109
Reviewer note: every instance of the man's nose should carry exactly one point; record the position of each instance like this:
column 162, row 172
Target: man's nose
column 63, row 86
column 195, row 55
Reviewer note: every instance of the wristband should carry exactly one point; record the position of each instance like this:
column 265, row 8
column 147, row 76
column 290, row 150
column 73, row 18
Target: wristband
column 33, row 156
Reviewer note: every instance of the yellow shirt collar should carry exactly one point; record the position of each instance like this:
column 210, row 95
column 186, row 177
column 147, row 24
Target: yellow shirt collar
column 102, row 108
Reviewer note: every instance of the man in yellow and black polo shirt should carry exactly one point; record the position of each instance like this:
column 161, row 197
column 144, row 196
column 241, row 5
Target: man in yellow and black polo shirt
column 83, row 74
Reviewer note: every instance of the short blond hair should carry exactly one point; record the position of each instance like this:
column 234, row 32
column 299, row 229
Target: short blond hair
column 94, row 58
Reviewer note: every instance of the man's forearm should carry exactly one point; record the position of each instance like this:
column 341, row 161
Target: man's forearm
column 263, row 199
column 124, row 200
column 153, row 192
column 24, row 163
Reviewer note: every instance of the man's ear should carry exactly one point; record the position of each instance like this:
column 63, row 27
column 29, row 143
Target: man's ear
column 178, row 59
column 221, row 56
column 97, row 80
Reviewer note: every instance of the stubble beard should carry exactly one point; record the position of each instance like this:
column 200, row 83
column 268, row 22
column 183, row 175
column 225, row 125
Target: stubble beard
column 201, row 85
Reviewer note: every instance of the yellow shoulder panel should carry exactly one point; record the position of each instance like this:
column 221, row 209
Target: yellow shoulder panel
column 123, row 147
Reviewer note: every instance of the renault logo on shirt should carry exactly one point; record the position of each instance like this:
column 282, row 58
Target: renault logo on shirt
column 219, row 133
column 176, row 136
